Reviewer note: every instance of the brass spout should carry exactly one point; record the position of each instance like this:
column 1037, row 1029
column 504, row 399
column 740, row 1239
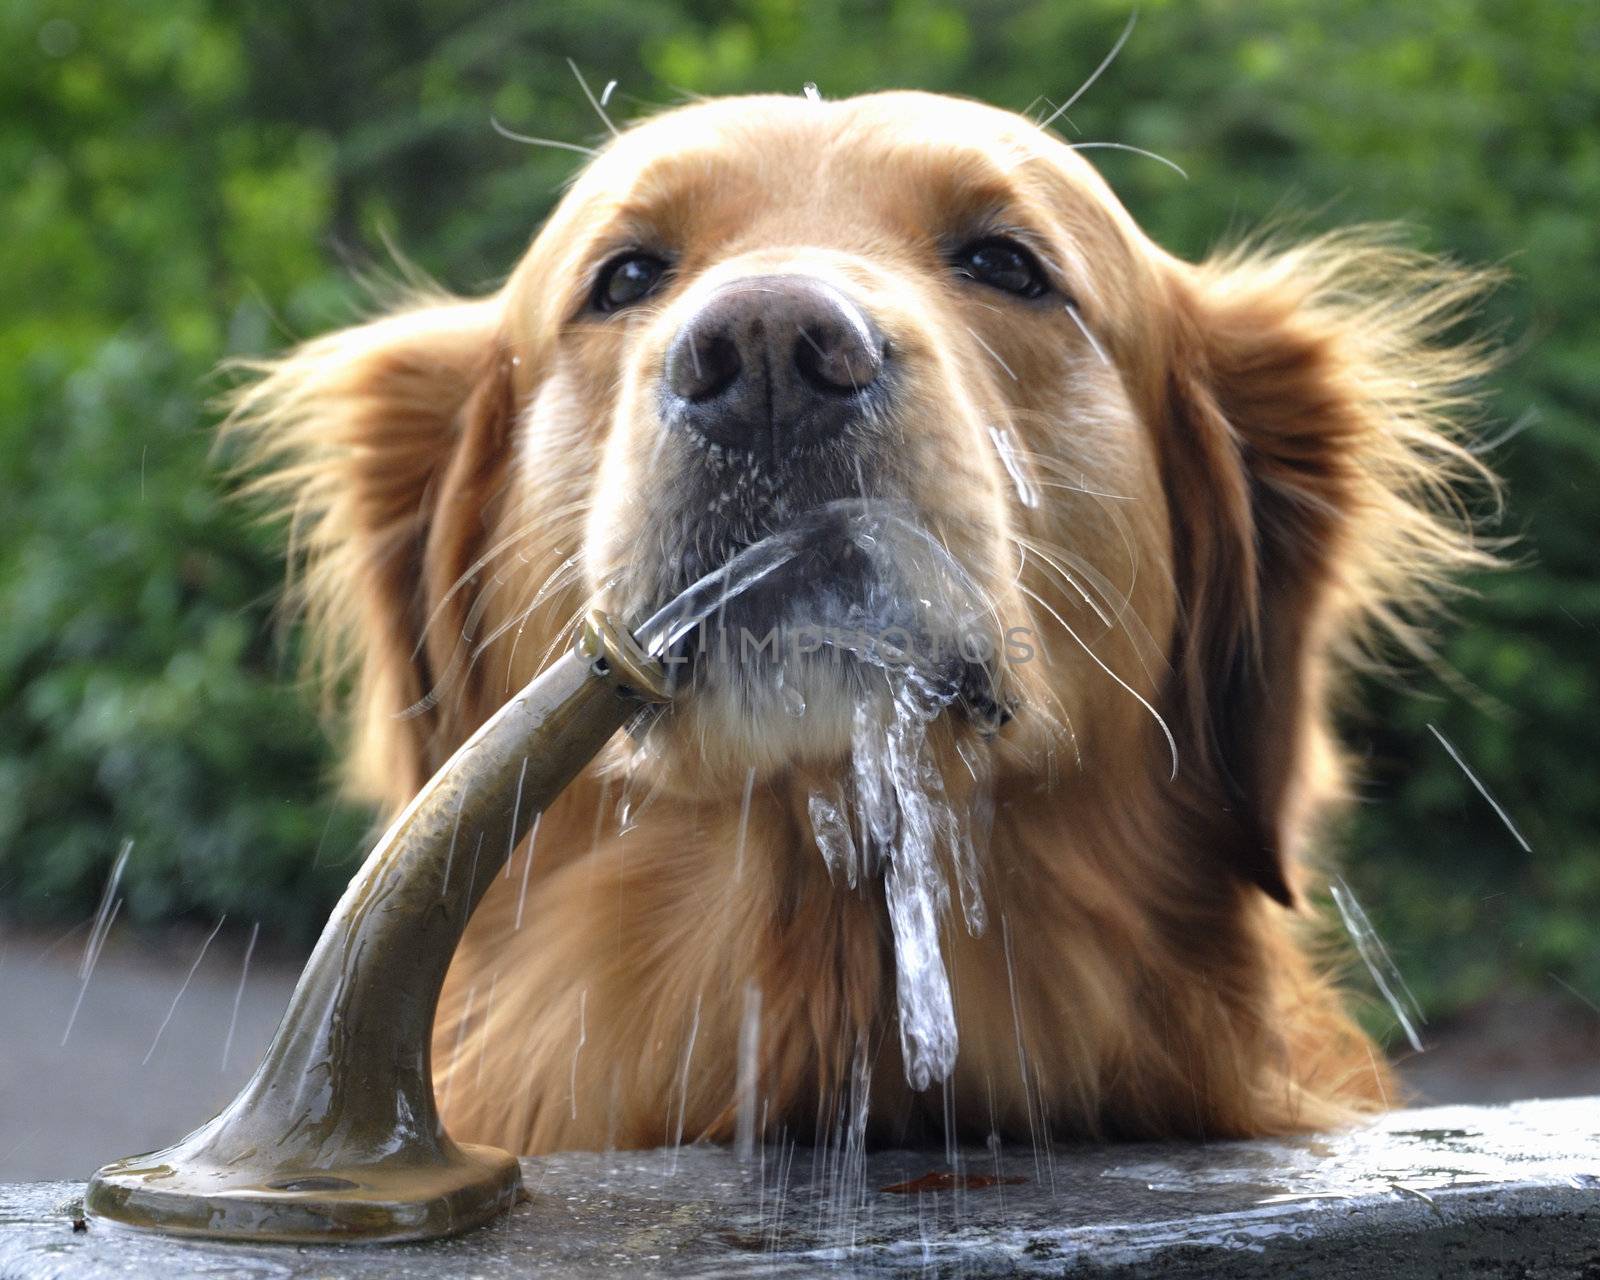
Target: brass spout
column 337, row 1136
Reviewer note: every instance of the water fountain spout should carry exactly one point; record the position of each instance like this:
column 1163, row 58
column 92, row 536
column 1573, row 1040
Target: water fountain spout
column 337, row 1136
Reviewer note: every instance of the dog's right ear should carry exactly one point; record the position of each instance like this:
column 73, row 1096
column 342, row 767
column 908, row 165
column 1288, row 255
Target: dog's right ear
column 355, row 436
column 1313, row 448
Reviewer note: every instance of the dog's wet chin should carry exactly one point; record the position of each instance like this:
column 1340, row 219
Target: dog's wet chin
column 780, row 678
column 872, row 607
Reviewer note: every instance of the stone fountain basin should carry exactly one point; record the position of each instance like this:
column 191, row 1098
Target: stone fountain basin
column 1437, row 1192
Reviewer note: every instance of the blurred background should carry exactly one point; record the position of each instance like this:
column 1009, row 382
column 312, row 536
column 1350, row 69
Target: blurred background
column 200, row 179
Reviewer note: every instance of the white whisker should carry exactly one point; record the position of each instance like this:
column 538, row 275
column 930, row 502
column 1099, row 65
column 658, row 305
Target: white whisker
column 1068, row 563
column 1084, row 329
column 1172, row 743
column 599, row 107
column 1095, row 74
column 1023, row 545
column 1138, row 151
column 532, row 141
column 1084, row 489
column 471, row 571
column 976, row 337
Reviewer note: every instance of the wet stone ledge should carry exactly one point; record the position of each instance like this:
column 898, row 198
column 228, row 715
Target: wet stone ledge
column 1443, row 1192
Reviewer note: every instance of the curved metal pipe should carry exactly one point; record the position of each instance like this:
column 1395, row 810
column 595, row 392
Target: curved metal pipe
column 337, row 1136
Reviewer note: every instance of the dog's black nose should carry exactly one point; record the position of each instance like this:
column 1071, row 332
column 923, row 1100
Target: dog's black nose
column 771, row 364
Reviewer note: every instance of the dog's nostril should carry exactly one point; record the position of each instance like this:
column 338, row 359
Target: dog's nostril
column 702, row 366
column 772, row 363
column 837, row 358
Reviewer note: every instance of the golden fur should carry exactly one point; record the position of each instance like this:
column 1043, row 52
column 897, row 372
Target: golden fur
column 1256, row 476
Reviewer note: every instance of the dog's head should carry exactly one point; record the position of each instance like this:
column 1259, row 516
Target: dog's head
column 1119, row 511
column 903, row 308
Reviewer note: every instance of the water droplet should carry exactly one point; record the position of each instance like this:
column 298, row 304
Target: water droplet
column 748, row 1082
column 1379, row 964
column 831, row 830
column 1011, row 458
column 744, row 823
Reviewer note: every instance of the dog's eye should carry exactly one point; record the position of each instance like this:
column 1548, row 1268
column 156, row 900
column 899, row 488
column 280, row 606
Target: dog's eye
column 626, row 279
column 1002, row 264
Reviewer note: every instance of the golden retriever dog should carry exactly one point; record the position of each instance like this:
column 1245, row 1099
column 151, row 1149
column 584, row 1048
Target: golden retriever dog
column 1068, row 896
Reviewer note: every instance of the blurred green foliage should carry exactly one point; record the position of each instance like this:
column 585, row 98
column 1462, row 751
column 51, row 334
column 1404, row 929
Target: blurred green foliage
column 186, row 181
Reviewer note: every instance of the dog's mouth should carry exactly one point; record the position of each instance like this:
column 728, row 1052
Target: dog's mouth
column 836, row 644
column 850, row 598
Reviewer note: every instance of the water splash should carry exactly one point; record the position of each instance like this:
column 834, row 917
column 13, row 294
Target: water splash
column 744, row 822
column 577, row 1049
column 516, row 810
column 187, row 979
column 843, row 1209
column 715, row 590
column 917, row 837
column 1378, row 961
column 830, row 828
column 893, row 816
column 1482, row 790
column 790, row 698
column 643, row 781
column 1005, row 445
column 683, row 1084
column 455, row 836
column 483, row 1029
column 527, row 867
column 1035, row 1130
column 748, row 1083
column 105, row 916
column 238, row 995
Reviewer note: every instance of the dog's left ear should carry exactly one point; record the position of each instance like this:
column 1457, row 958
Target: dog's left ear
column 1314, row 485
column 385, row 443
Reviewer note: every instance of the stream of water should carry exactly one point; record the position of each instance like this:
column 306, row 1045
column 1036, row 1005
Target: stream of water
column 891, row 816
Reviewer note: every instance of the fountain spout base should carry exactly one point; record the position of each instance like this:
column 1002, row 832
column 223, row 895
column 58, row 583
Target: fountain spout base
column 398, row 1199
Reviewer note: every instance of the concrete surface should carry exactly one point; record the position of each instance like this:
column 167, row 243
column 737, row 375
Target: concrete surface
column 1443, row 1192
column 1513, row 1044
column 66, row 1109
